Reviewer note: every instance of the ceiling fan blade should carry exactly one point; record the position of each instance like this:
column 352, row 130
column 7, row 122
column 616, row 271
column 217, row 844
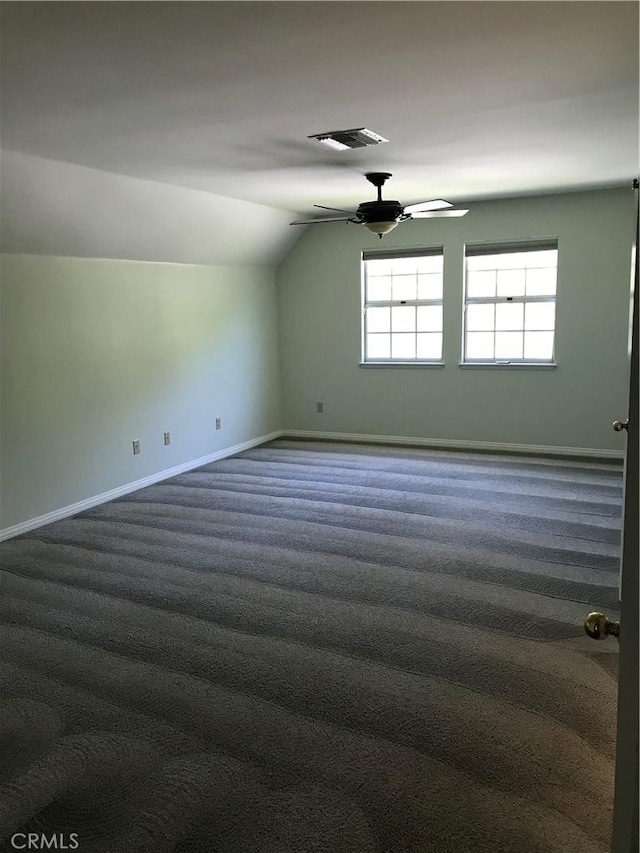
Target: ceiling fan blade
column 432, row 214
column 339, row 209
column 327, row 219
column 434, row 204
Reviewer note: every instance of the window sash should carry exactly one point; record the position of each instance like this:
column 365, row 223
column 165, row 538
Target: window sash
column 522, row 330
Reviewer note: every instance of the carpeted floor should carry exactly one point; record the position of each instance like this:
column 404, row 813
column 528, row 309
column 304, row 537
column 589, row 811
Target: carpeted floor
column 318, row 648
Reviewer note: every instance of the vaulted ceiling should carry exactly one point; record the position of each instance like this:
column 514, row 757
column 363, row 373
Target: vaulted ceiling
column 478, row 99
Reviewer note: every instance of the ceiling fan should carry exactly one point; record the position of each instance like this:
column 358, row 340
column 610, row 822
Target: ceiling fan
column 382, row 216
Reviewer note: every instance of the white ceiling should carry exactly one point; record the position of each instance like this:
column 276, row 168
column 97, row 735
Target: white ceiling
column 479, row 99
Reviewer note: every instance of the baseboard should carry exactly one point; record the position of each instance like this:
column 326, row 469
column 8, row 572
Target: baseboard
column 105, row 497
column 455, row 444
column 451, row 444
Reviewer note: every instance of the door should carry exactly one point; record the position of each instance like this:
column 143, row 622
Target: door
column 625, row 813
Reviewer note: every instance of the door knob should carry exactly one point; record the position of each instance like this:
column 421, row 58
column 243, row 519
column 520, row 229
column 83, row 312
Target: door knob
column 598, row 626
column 620, row 425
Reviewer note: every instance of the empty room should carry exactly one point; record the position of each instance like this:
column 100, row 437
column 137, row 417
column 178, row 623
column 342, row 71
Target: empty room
column 319, row 449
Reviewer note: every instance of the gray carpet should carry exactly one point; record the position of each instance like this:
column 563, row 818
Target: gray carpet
column 317, row 647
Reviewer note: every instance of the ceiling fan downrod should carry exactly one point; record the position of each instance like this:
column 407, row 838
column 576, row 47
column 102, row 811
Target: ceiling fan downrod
column 378, row 179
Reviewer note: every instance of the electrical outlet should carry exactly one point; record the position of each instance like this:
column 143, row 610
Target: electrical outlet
column 218, row 423
column 167, row 438
column 319, row 407
column 136, row 447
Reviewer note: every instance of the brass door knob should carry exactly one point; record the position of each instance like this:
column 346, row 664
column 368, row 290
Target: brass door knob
column 598, row 626
column 620, row 425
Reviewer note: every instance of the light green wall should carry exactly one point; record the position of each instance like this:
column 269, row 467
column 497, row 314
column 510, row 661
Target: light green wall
column 97, row 353
column 570, row 406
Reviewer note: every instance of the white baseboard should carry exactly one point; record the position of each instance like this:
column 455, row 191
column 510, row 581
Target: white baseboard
column 451, row 444
column 455, row 444
column 104, row 497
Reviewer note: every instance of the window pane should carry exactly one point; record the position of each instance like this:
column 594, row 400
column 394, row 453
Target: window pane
column 403, row 287
column 509, row 344
column 540, row 315
column 481, row 284
column 547, row 258
column 378, row 319
column 430, row 318
column 480, row 345
column 541, row 282
column 538, row 345
column 430, row 286
column 403, row 318
column 482, row 262
column 379, row 267
column 405, row 266
column 431, row 264
column 403, row 346
column 480, row 317
column 378, row 288
column 511, row 260
column 510, row 315
column 430, row 346
column 378, row 346
column 510, row 282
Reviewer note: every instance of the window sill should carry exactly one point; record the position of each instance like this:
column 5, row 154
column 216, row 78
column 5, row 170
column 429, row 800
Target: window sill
column 402, row 364
column 513, row 365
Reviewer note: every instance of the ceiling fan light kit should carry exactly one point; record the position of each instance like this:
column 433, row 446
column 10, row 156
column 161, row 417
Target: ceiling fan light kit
column 382, row 215
column 380, row 228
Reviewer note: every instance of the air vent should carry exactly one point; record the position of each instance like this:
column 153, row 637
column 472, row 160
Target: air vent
column 341, row 140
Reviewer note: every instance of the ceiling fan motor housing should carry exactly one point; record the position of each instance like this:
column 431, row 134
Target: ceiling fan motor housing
column 380, row 211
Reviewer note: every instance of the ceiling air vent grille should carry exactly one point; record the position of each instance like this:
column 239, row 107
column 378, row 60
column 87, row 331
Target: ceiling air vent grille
column 341, row 140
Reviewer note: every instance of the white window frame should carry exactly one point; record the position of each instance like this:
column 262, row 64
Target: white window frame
column 474, row 250
column 435, row 251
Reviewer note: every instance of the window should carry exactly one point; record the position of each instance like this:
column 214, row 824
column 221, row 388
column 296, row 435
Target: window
column 402, row 307
column 510, row 303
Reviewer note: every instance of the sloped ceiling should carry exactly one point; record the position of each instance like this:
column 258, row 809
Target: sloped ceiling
column 54, row 208
column 478, row 99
